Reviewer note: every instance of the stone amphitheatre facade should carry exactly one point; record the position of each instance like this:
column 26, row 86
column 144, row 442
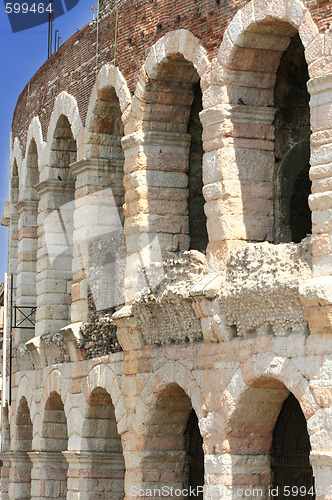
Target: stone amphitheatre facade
column 159, row 223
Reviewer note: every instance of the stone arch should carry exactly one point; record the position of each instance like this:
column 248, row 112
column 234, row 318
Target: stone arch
column 179, row 42
column 66, row 105
column 243, row 79
column 157, row 147
column 56, row 222
column 103, row 376
column 21, row 465
column 25, row 391
column 55, row 382
column 35, row 132
column 27, row 208
column 98, row 439
column 16, row 160
column 15, row 180
column 50, row 463
column 292, row 12
column 249, row 410
column 162, row 413
column 108, row 77
column 173, row 373
column 99, row 240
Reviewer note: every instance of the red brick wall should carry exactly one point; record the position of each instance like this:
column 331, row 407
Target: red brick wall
column 141, row 23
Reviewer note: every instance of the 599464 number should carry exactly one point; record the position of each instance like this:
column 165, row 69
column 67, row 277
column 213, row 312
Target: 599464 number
column 24, row 8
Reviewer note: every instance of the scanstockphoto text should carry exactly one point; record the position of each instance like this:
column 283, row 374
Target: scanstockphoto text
column 224, row 491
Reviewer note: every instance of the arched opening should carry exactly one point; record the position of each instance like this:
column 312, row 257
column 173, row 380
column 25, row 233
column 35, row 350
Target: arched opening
column 59, row 236
column 32, row 173
column 28, row 244
column 290, row 455
column 292, row 146
column 265, row 73
column 104, row 251
column 257, row 438
column 101, row 453
column 172, row 454
column 24, row 427
column 55, row 254
column 170, row 200
column 13, row 235
column 100, row 429
column 197, row 218
column 54, row 442
column 20, row 476
column 195, row 458
column 63, row 151
column 14, row 183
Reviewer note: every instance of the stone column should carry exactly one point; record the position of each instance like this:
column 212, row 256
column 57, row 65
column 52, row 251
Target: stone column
column 48, row 475
column 4, row 456
column 238, row 169
column 322, row 468
column 92, row 474
column 54, row 257
column 27, row 257
column 19, row 476
column 156, row 200
column 97, row 219
column 317, row 293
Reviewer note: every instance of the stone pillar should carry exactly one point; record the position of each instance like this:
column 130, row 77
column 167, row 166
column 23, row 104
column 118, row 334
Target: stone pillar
column 54, row 257
column 322, row 468
column 95, row 475
column 4, row 456
column 19, row 476
column 98, row 218
column 48, row 475
column 156, row 200
column 317, row 293
column 238, row 169
column 26, row 269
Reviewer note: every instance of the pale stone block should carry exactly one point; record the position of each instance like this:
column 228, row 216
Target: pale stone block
column 160, row 51
column 321, row 156
column 226, row 49
column 320, row 201
column 315, row 49
column 150, row 65
column 235, row 28
column 247, row 15
column 200, row 60
column 172, row 40
column 307, row 29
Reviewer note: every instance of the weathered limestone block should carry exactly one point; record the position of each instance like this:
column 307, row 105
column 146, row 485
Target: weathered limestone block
column 261, row 289
column 164, row 312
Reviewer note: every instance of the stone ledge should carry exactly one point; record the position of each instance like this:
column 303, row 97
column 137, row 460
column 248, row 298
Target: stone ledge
column 49, row 349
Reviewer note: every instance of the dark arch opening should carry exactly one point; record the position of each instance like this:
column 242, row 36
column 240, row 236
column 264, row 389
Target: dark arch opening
column 194, row 475
column 292, row 146
column 290, row 456
column 32, row 174
column 197, row 218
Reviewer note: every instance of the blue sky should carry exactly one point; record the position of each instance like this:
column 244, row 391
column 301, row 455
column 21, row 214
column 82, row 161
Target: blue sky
column 21, row 55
